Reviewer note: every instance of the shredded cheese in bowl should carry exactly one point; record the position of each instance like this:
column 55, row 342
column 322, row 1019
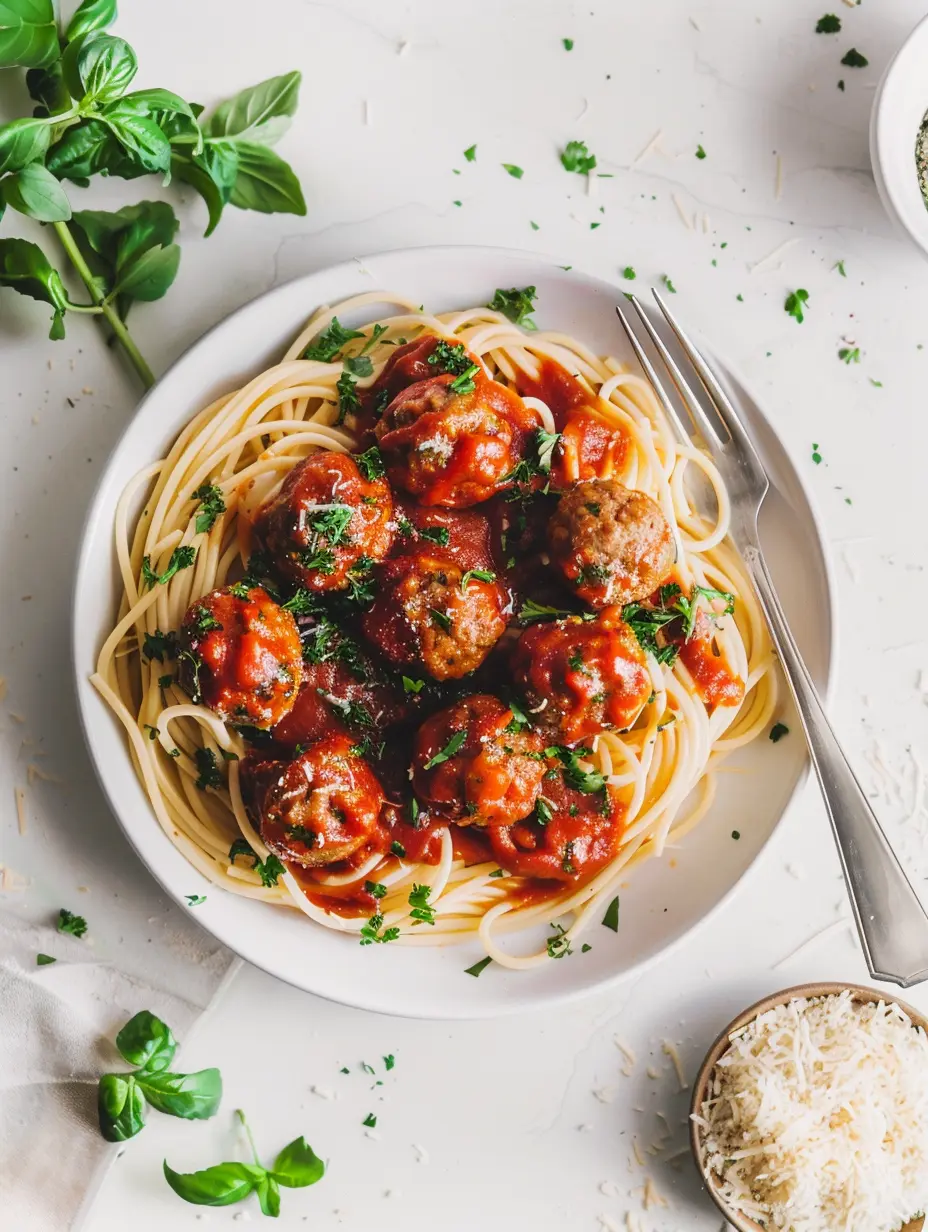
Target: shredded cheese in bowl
column 815, row 1118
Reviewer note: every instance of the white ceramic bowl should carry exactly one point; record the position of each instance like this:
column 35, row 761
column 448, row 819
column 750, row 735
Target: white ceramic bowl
column 665, row 898
column 899, row 106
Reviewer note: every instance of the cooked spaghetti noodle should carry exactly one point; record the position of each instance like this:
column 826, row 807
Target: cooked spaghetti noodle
column 244, row 444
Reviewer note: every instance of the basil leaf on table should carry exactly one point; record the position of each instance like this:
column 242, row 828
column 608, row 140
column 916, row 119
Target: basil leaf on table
column 221, row 1185
column 146, row 1041
column 35, row 192
column 90, row 148
column 151, row 275
column 298, row 1165
column 212, row 174
column 194, row 1097
column 24, row 266
column 265, row 182
column 90, row 15
column 140, row 136
column 269, row 1196
column 99, row 68
column 23, row 142
column 120, row 1107
column 249, row 115
column 28, row 33
column 46, row 86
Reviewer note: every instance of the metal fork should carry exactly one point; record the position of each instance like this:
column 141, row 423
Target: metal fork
column 891, row 922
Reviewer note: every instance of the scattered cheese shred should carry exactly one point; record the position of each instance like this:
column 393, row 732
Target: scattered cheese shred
column 649, row 148
column 778, row 179
column 628, row 1054
column 650, row 1196
column 2, row 688
column 20, row 797
column 771, row 257
column 670, row 1049
column 816, row 1117
column 684, row 217
column 34, row 772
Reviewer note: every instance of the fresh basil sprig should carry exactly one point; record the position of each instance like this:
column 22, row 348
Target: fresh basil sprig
column 147, row 1042
column 88, row 122
column 295, row 1167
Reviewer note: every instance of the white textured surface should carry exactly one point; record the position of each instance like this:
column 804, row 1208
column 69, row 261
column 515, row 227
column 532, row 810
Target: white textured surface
column 496, row 1107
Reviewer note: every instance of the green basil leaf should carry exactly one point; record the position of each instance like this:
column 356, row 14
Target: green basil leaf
column 151, row 275
column 249, row 115
column 28, row 33
column 120, row 1107
column 194, row 173
column 297, row 1165
column 47, row 87
column 25, row 268
column 139, row 135
column 175, row 117
column 265, row 182
column 121, row 236
column 269, row 1197
column 146, row 1041
column 35, row 192
column 89, row 148
column 22, row 142
column 195, row 1097
column 90, row 15
column 99, row 67
column 221, row 1185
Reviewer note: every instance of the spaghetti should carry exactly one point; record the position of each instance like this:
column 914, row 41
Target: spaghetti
column 241, row 448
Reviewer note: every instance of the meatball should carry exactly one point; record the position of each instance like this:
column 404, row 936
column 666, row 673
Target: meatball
column 570, row 836
column 326, row 521
column 240, row 655
column 454, row 440
column 425, row 616
column 321, row 807
column 579, row 677
column 613, row 544
column 468, row 763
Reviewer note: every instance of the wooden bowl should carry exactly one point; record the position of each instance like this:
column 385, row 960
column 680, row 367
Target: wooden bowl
column 860, row 993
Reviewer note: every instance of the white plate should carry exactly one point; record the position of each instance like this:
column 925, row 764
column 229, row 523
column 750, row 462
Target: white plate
column 665, row 899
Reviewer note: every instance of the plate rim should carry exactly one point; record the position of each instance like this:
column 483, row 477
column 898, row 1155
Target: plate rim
column 507, row 1005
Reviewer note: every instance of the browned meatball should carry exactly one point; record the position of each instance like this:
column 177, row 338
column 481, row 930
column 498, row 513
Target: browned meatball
column 613, row 544
column 470, row 763
column 318, row 808
column 424, row 616
column 326, row 521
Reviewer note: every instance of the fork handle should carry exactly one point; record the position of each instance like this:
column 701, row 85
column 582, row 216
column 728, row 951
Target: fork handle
column 892, row 923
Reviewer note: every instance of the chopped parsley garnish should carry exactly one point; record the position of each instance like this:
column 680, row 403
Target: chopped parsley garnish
column 361, row 583
column 666, row 280
column 442, row 619
column 448, row 751
column 576, row 157
column 839, row 266
column 329, row 343
column 464, row 384
column 301, row 603
column 516, row 304
column 370, row 463
column 558, row 945
column 376, row 889
column 204, row 620
column 482, row 575
column 269, row 870
column 629, row 273
column 568, row 44
column 531, row 612
column 593, row 575
column 241, row 590
column 499, row 872
column 317, row 560
column 397, row 849
column 816, row 454
column 778, row 731
column 436, row 534
column 587, row 781
column 153, row 732
column 795, row 303
column 211, row 506
column 165, row 682
column 181, row 558
column 370, row 1120
column 209, row 775
column 736, row 834
column 422, row 912
column 360, row 365
column 355, row 713
column 450, row 357
column 545, row 443
column 44, row 960
column 850, row 355
column 478, row 967
column 412, row 686
column 73, row 925
column 302, row 834
column 471, row 153
column 829, row 24
column 611, row 918
column 195, row 900
column 516, row 172
column 853, row 59
column 700, row 152
column 646, row 622
column 348, row 401
column 159, row 646
column 689, row 607
column 389, row 1062
column 332, row 524
column 567, row 859
column 543, row 811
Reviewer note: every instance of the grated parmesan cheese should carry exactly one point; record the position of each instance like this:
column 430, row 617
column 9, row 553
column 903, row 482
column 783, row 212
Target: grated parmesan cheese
column 816, row 1117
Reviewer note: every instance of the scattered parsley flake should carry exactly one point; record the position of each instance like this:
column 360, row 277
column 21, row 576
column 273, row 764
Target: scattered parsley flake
column 71, row 924
column 778, row 731
column 369, row 1121
column 576, row 157
column 850, row 355
column 515, row 304
column 412, row 686
column 181, row 558
column 665, row 279
column 816, row 455
column 422, row 912
column 471, row 153
column 397, row 849
column 839, row 266
column 568, row 44
column 629, row 273
column 195, row 900
column 736, row 834
column 389, row 1062
column 829, row 24
column 700, row 152
column 448, row 751
column 853, row 59
column 877, row 384
column 534, row 225
column 795, row 303
column 211, row 506
column 44, row 960
column 516, row 172
column 478, row 967
column 558, row 945
column 611, row 918
column 209, row 775
column 330, row 342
